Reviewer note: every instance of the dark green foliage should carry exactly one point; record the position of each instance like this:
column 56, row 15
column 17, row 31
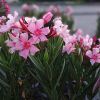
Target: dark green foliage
column 98, row 27
column 49, row 75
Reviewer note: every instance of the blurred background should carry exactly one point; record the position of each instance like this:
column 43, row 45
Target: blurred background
column 84, row 14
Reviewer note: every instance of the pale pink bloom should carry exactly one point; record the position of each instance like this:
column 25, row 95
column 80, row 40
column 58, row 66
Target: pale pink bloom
column 58, row 25
column 35, row 8
column 94, row 55
column 79, row 32
column 86, row 41
column 11, row 43
column 12, row 18
column 25, row 7
column 26, row 46
column 38, row 30
column 99, row 39
column 54, row 9
column 64, row 32
column 69, row 48
column 47, row 17
column 10, row 23
column 30, row 19
column 23, row 23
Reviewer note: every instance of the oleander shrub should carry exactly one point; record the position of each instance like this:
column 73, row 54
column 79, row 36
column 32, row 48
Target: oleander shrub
column 41, row 60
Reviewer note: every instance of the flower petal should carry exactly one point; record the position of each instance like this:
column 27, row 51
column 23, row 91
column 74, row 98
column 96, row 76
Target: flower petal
column 43, row 38
column 89, row 53
column 33, row 50
column 31, row 27
column 45, row 31
column 24, row 37
column 39, row 23
column 24, row 53
column 95, row 50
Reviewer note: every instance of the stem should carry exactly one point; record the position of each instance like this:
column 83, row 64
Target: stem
column 60, row 75
column 73, row 65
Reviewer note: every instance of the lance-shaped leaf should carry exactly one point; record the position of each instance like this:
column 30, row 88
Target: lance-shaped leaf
column 97, row 85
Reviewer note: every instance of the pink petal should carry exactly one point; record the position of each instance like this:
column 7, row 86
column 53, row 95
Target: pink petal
column 15, row 14
column 69, row 48
column 24, row 53
column 24, row 37
column 32, row 27
column 45, row 31
column 92, row 61
column 89, row 53
column 95, row 50
column 39, row 23
column 10, row 43
column 18, row 46
column 98, row 60
column 47, row 17
column 12, row 50
column 9, row 16
column 98, row 55
column 29, row 19
column 36, row 39
column 43, row 38
column 33, row 40
column 4, row 28
column 33, row 50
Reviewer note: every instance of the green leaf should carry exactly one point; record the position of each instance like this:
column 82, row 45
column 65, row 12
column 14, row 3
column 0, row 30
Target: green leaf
column 60, row 75
column 36, row 63
column 46, row 56
column 3, row 83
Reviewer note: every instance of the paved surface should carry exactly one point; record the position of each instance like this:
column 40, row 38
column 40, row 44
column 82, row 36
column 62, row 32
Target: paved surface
column 85, row 16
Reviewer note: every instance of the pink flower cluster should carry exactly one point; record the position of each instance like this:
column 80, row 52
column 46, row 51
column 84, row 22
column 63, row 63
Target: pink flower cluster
column 5, row 6
column 86, row 44
column 26, row 8
column 25, row 33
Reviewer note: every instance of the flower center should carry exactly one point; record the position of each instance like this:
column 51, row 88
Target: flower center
column 94, row 57
column 27, row 45
column 38, row 32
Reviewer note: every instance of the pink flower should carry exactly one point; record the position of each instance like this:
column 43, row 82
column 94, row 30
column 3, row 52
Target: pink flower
column 61, row 29
column 35, row 8
column 7, row 8
column 69, row 48
column 26, row 46
column 37, row 30
column 47, row 17
column 9, row 24
column 23, row 44
column 55, row 9
column 94, row 55
column 25, row 7
column 85, row 41
column 14, row 38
